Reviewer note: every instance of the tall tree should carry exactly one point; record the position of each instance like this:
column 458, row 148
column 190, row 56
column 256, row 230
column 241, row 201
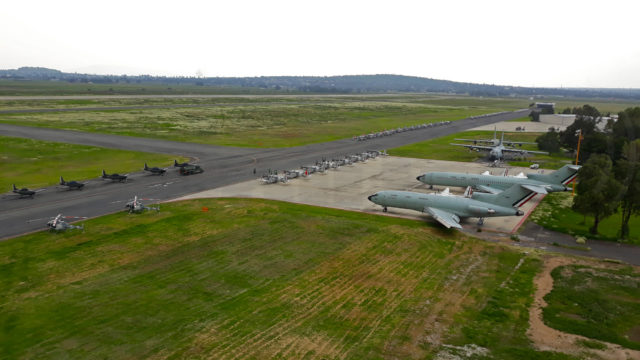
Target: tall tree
column 569, row 137
column 628, row 124
column 627, row 171
column 598, row 191
column 549, row 141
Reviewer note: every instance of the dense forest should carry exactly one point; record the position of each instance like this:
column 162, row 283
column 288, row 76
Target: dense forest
column 347, row 84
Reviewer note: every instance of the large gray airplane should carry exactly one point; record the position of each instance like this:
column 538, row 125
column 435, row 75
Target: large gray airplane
column 540, row 183
column 495, row 141
column 497, row 152
column 449, row 209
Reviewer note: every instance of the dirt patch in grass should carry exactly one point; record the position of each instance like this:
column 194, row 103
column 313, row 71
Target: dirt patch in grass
column 634, row 333
column 547, row 338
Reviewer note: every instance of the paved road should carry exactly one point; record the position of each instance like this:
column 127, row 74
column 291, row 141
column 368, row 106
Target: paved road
column 223, row 166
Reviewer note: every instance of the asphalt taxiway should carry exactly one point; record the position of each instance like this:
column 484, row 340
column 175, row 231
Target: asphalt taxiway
column 223, row 166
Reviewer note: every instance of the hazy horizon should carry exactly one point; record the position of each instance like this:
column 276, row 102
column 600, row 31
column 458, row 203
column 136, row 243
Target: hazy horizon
column 570, row 44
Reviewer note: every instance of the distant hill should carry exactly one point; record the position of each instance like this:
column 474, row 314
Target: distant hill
column 383, row 83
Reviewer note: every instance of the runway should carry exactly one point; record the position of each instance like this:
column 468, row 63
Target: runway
column 223, row 166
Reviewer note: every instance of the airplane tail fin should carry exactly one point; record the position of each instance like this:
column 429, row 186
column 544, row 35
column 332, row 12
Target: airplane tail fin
column 562, row 176
column 175, row 162
column 145, row 166
column 14, row 187
column 515, row 196
column 104, row 173
column 61, row 181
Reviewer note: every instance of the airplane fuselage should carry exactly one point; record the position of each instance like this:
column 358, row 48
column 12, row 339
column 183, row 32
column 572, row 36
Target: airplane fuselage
column 461, row 206
column 497, row 182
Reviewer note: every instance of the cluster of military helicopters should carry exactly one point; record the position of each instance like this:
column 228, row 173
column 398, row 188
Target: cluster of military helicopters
column 399, row 130
column 494, row 195
column 319, row 167
column 58, row 223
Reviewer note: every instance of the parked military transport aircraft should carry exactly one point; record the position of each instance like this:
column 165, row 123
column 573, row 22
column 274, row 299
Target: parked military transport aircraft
column 71, row 184
column 495, row 141
column 540, row 183
column 449, row 209
column 497, row 152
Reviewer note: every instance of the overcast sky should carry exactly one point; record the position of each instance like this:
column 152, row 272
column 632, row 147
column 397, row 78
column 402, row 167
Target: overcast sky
column 533, row 43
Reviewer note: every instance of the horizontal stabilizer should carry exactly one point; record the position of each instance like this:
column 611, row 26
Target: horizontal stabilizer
column 535, row 188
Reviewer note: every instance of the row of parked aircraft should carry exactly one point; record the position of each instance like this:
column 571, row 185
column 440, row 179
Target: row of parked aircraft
column 494, row 195
column 319, row 167
column 184, row 169
column 390, row 132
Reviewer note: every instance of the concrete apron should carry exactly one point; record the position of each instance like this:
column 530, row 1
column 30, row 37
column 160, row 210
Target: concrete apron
column 348, row 187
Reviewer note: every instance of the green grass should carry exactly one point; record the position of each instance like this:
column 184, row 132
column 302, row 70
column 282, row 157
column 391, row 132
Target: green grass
column 56, row 88
column 601, row 304
column 34, row 163
column 554, row 213
column 264, row 124
column 258, row 279
column 441, row 149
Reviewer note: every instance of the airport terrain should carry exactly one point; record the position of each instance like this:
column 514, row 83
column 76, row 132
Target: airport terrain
column 223, row 165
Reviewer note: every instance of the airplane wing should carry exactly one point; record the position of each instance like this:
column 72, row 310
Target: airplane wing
column 445, row 218
column 488, row 141
column 488, row 189
column 474, row 147
column 524, row 151
column 511, row 143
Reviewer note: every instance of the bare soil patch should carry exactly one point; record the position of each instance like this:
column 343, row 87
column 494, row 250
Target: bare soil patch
column 547, row 338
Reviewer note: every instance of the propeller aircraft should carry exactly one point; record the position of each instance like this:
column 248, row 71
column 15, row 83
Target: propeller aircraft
column 71, row 184
column 114, row 177
column 24, row 192
column 497, row 152
column 155, row 170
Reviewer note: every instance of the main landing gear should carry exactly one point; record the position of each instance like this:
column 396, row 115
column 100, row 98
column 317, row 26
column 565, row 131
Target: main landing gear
column 384, row 209
column 480, row 221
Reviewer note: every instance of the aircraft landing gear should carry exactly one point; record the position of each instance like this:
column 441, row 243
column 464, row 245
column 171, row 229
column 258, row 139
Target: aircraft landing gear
column 384, row 209
column 430, row 187
column 480, row 221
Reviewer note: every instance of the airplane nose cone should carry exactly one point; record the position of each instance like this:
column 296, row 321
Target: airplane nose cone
column 519, row 213
column 419, row 178
column 370, row 197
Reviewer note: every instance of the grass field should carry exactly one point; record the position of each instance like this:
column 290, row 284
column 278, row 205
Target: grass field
column 56, row 88
column 554, row 213
column 33, row 163
column 441, row 149
column 261, row 279
column 601, row 304
column 255, row 125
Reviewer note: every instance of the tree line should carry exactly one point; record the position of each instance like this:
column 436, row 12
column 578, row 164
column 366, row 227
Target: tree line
column 610, row 175
column 379, row 83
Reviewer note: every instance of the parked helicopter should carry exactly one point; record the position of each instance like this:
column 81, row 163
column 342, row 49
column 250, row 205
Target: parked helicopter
column 24, row 192
column 114, row 177
column 71, row 184
column 136, row 206
column 154, row 170
column 58, row 224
